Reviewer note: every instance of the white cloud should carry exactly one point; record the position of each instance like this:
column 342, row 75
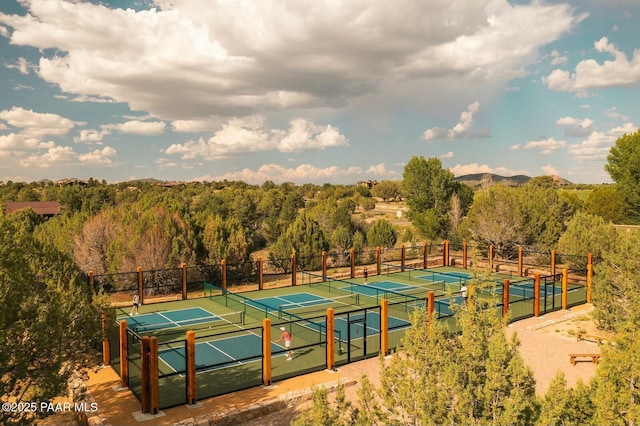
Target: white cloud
column 304, row 173
column 99, row 156
column 203, row 58
column 34, row 124
column 462, row 130
column 137, row 127
column 575, row 127
column 546, row 146
column 251, row 134
column 447, row 155
column 613, row 113
column 194, row 126
column 597, row 145
column 473, row 168
column 549, row 170
column 589, row 74
column 90, row 136
column 23, row 66
column 53, row 156
column 557, row 58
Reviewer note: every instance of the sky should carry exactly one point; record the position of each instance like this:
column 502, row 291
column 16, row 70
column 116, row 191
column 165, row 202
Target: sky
column 314, row 91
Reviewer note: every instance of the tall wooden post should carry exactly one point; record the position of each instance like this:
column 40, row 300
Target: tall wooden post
column 384, row 327
column 183, row 266
column 565, row 277
column 425, row 256
column 464, row 255
column 491, row 257
column 260, row 274
column 191, row 367
column 520, row 262
column 444, row 253
column 448, row 254
column 352, row 257
column 154, row 377
column 324, row 265
column 294, row 268
column 536, row 295
column 553, row 262
column 106, row 349
column 331, row 341
column 589, row 281
column 378, row 260
column 144, row 378
column 124, row 364
column 266, row 351
column 505, row 297
column 223, row 266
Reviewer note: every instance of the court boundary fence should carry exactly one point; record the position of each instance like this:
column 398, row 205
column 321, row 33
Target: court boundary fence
column 135, row 357
column 184, row 282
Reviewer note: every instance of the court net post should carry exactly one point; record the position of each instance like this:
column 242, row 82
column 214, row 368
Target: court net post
column 266, row 351
column 190, row 347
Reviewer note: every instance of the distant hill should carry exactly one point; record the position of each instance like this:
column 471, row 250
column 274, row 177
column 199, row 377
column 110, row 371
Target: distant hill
column 476, row 180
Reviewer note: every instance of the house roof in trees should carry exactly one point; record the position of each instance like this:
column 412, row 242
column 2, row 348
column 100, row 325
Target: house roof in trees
column 43, row 208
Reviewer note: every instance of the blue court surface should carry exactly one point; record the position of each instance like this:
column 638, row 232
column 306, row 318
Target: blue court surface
column 170, row 319
column 221, row 353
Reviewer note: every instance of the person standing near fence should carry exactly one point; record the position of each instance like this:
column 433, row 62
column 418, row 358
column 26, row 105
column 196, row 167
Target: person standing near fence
column 366, row 275
column 286, row 336
column 136, row 305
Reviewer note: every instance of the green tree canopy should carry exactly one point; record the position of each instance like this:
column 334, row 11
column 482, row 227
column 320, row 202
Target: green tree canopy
column 623, row 165
column 48, row 326
column 382, row 234
column 607, row 202
column 305, row 238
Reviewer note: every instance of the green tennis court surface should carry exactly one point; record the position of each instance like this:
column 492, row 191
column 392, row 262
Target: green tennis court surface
column 177, row 318
column 220, row 353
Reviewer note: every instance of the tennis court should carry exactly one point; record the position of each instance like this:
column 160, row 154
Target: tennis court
column 178, row 318
column 220, row 353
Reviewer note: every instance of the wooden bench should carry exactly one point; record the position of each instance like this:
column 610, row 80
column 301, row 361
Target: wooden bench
column 597, row 339
column 594, row 358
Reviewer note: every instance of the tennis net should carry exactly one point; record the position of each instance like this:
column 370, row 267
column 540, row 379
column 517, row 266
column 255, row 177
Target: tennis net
column 439, row 280
column 368, row 293
column 315, row 307
column 169, row 331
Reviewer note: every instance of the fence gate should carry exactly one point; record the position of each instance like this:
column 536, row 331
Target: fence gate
column 550, row 294
column 356, row 336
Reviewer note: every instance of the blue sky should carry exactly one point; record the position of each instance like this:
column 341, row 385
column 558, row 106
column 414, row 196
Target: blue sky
column 314, row 90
